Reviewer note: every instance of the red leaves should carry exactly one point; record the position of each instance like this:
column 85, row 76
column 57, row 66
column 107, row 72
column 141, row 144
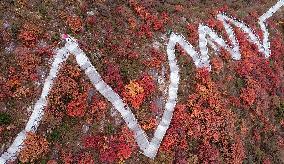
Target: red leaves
column 113, row 76
column 77, row 107
column 124, row 151
column 176, row 134
column 239, row 151
column 34, row 147
column 68, row 95
column 193, row 35
column 22, row 75
column 93, row 142
column 136, row 91
column 75, row 23
column 29, row 35
column 98, row 106
column 217, row 64
column 140, row 10
column 214, row 114
column 91, row 20
column 110, row 148
column 168, row 142
column 148, row 84
column 208, row 120
column 132, row 23
column 151, row 22
column 108, row 156
column 67, row 157
column 248, row 95
column 86, row 158
column 215, row 24
column 157, row 24
column 145, row 30
column 28, row 62
column 134, row 94
column 209, row 154
column 156, row 60
column 179, row 8
column 149, row 124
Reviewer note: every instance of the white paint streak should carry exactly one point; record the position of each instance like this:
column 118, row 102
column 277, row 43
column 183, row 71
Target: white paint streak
column 35, row 118
column 201, row 59
column 208, row 37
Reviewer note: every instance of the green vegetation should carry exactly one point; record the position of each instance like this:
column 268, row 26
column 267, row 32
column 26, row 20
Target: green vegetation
column 5, row 119
column 280, row 112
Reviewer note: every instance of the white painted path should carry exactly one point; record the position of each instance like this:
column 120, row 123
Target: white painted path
column 201, row 59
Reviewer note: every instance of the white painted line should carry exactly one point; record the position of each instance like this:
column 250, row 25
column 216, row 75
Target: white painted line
column 201, row 59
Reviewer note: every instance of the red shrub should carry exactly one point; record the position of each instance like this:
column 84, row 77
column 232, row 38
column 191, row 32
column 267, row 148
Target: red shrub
column 77, row 107
column 75, row 23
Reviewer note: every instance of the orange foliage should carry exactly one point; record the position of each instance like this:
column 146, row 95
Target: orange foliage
column 149, row 124
column 75, row 23
column 34, row 148
column 134, row 94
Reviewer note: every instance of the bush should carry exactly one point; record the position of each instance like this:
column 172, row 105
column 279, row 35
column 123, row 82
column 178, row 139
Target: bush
column 5, row 119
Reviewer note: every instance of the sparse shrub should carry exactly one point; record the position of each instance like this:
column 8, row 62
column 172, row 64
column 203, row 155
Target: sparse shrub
column 55, row 135
column 280, row 112
column 5, row 118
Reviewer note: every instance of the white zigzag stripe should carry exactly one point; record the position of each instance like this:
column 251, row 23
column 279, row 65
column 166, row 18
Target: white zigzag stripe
column 201, row 59
column 11, row 153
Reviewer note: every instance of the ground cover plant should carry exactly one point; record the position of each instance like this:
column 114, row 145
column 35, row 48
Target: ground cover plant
column 232, row 114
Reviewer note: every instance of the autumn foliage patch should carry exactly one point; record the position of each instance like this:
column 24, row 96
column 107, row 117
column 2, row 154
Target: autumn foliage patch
column 232, row 114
